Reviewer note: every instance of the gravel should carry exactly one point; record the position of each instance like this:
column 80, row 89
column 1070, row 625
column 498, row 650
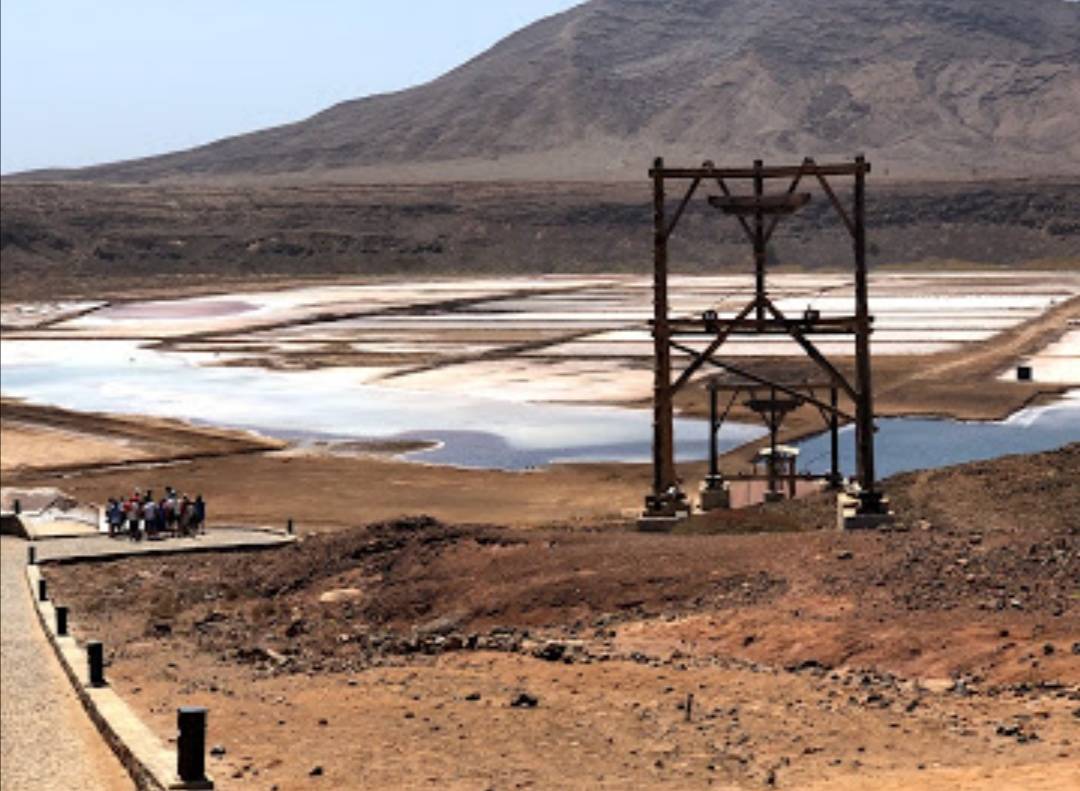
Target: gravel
column 46, row 739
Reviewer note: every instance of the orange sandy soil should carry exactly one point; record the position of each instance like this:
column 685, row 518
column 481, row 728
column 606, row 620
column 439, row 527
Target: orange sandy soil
column 36, row 438
column 941, row 655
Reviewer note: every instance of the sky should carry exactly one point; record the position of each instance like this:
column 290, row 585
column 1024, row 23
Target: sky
column 89, row 81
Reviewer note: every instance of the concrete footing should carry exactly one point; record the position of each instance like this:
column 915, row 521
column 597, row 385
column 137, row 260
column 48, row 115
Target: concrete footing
column 851, row 516
column 715, row 497
column 648, row 523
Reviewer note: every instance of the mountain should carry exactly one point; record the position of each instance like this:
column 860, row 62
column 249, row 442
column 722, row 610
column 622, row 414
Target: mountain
column 941, row 88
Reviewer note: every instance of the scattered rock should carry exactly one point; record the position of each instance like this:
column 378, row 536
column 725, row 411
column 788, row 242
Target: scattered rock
column 339, row 595
column 524, row 700
column 316, row 771
column 845, row 555
column 550, row 652
column 217, row 750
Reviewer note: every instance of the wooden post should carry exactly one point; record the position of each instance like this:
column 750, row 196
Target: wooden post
column 714, row 462
column 663, row 415
column 834, row 439
column 774, row 423
column 864, row 408
column 759, row 242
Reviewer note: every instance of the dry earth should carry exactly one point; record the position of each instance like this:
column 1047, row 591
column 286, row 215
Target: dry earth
column 116, row 242
column 940, row 655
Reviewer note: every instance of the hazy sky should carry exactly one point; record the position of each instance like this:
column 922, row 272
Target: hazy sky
column 85, row 81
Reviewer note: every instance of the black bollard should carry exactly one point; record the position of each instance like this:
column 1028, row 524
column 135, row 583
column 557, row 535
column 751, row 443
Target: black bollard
column 42, row 590
column 31, row 554
column 95, row 655
column 289, row 527
column 191, row 744
column 61, row 621
column 16, row 507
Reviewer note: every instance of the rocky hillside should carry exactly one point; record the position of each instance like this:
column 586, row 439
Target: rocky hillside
column 942, row 88
column 96, row 238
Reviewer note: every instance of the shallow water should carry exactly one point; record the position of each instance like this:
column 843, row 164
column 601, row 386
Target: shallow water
column 339, row 404
column 903, row 444
column 119, row 376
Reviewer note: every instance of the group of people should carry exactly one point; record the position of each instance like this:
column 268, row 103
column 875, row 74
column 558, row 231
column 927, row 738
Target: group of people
column 141, row 515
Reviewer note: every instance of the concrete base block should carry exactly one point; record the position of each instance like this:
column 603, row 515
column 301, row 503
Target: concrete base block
column 647, row 523
column 774, row 497
column 867, row 521
column 713, row 499
column 848, row 516
column 197, row 785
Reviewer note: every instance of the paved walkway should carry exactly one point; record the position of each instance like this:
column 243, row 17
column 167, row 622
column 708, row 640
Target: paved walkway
column 101, row 547
column 46, row 739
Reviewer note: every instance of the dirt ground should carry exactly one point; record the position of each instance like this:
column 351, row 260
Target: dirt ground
column 417, row 653
column 519, row 635
column 35, row 438
column 246, row 481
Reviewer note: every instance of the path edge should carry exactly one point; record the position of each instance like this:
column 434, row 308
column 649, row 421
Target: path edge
column 140, row 751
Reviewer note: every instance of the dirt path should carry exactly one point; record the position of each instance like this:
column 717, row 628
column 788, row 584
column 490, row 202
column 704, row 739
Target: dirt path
column 48, row 741
column 986, row 357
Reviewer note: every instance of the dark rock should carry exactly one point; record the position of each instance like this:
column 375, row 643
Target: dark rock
column 217, row 750
column 524, row 700
column 550, row 652
column 316, row 771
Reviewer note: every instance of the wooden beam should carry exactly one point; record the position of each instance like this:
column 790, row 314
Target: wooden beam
column 682, row 207
column 760, row 380
column 722, row 336
column 837, row 325
column 774, row 172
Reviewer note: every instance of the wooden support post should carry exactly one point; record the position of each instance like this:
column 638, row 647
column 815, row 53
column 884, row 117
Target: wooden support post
column 834, row 439
column 774, row 425
column 864, row 408
column 714, row 462
column 759, row 243
column 663, row 416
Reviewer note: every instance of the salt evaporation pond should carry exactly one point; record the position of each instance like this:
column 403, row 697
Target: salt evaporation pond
column 329, row 404
column 336, row 404
column 903, row 444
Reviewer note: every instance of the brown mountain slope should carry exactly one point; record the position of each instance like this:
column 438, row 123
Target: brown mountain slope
column 924, row 87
